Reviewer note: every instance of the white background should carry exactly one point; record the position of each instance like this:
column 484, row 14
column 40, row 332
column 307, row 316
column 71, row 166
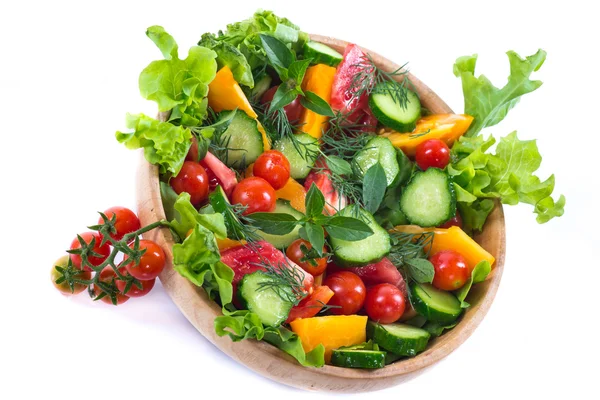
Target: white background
column 68, row 75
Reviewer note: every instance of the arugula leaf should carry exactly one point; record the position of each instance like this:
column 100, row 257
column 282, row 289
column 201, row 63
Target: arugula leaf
column 420, row 269
column 485, row 102
column 314, row 201
column 231, row 56
column 274, row 223
column 187, row 217
column 480, row 272
column 164, row 144
column 316, row 103
column 374, row 186
column 347, row 228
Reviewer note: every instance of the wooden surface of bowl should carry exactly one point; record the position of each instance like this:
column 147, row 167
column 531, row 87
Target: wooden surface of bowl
column 272, row 362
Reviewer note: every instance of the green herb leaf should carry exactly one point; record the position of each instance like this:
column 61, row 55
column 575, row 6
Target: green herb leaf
column 436, row 329
column 317, row 104
column 169, row 197
column 297, row 70
column 279, row 55
column 480, row 272
column 485, row 102
column 339, row 166
column 274, row 223
column 374, row 186
column 347, row 228
column 316, row 236
column 187, row 217
column 165, row 42
column 420, row 269
column 282, row 97
column 314, row 201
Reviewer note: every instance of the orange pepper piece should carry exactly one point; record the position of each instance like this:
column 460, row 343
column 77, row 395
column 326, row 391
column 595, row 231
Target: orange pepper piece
column 225, row 244
column 293, row 192
column 318, row 79
column 446, row 127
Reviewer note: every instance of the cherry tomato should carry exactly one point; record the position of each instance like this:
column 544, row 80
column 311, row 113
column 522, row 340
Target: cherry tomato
column 64, row 287
column 192, row 178
column 432, row 153
column 454, row 221
column 87, row 237
column 108, row 276
column 126, row 221
column 134, row 291
column 451, row 270
column 349, row 292
column 151, row 263
column 314, row 266
column 254, row 193
column 292, row 110
column 273, row 167
column 385, row 303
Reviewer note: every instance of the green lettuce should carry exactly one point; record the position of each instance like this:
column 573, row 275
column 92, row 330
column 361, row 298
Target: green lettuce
column 229, row 55
column 178, row 85
column 485, row 102
column 164, row 144
column 507, row 175
column 243, row 324
column 187, row 217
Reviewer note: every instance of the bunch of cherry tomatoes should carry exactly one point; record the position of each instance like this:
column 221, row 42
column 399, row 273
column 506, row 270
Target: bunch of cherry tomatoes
column 151, row 263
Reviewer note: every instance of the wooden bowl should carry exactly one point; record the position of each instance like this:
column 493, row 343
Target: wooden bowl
column 274, row 363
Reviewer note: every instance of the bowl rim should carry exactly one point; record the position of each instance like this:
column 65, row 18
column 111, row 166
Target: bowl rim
column 267, row 359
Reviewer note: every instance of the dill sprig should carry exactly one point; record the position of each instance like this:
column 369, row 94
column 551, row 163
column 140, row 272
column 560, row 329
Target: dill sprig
column 285, row 280
column 344, row 139
column 406, row 246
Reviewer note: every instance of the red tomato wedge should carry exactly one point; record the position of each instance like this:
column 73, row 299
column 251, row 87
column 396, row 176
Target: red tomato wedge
column 311, row 305
column 343, row 97
column 222, row 172
column 320, row 177
column 374, row 274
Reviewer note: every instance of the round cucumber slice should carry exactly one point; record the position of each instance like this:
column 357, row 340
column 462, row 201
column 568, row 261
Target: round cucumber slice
column 390, row 112
column 434, row 304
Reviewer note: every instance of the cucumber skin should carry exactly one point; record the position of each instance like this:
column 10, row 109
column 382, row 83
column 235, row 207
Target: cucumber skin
column 365, row 359
column 429, row 313
column 320, row 58
column 299, row 169
column 249, row 306
column 396, row 345
column 390, row 122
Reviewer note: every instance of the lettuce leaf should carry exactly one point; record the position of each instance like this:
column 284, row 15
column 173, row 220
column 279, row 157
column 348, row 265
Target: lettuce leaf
column 178, row 85
column 243, row 324
column 507, row 175
column 164, row 144
column 485, row 102
column 187, row 217
column 229, row 55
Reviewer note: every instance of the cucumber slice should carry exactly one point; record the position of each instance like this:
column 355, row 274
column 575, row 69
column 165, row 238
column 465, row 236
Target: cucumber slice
column 283, row 241
column 377, row 150
column 271, row 308
column 361, row 252
column 322, row 54
column 400, row 339
column 434, row 304
column 242, row 140
column 348, row 358
column 390, row 112
column 301, row 152
column 429, row 198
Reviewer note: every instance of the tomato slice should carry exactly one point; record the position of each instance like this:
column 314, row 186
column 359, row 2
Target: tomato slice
column 311, row 305
column 343, row 97
column 320, row 177
column 220, row 171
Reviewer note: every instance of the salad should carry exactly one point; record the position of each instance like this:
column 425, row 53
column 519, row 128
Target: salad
column 315, row 199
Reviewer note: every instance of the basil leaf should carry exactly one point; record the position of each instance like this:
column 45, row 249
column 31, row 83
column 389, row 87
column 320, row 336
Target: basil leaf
column 297, row 70
column 274, row 223
column 283, row 96
column 374, row 186
column 279, row 55
column 420, row 269
column 314, row 202
column 316, row 236
column 480, row 272
column 315, row 103
column 347, row 228
column 339, row 166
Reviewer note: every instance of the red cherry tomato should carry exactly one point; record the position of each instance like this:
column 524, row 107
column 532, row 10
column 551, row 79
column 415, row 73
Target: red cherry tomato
column 432, row 153
column 292, row 110
column 134, row 291
column 454, row 221
column 151, row 263
column 314, row 266
column 385, row 303
column 108, row 276
column 273, row 167
column 192, row 178
column 256, row 194
column 126, row 221
column 103, row 250
column 451, row 270
column 349, row 292
column 64, row 287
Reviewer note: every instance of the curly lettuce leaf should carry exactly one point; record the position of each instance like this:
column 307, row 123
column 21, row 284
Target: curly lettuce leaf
column 484, row 101
column 508, row 175
column 243, row 324
column 178, row 85
column 229, row 55
column 164, row 144
column 187, row 217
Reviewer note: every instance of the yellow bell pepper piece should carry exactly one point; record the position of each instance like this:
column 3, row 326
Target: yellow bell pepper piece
column 455, row 239
column 332, row 332
column 224, row 93
column 294, row 193
column 224, row 244
column 446, row 127
column 318, row 79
